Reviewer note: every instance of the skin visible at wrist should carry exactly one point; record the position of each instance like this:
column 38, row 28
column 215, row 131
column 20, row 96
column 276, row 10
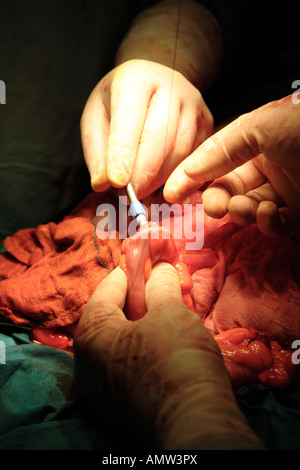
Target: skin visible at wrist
column 195, row 52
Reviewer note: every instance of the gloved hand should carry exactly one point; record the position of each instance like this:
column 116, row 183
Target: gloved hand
column 139, row 123
column 259, row 154
column 163, row 373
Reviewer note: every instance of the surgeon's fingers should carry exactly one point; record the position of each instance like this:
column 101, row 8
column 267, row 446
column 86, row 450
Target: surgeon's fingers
column 226, row 150
column 243, row 208
column 103, row 314
column 95, row 128
column 177, row 325
column 275, row 221
column 129, row 106
column 112, row 289
column 195, row 126
column 217, row 196
column 179, row 186
column 157, row 139
column 190, row 175
column 271, row 130
column 163, row 291
column 241, row 194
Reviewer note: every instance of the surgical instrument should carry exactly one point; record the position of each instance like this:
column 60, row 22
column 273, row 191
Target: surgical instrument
column 136, row 208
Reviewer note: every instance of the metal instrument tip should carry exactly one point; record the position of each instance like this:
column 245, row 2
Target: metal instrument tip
column 136, row 208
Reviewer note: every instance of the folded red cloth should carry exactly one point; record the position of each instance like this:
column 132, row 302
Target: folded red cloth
column 51, row 271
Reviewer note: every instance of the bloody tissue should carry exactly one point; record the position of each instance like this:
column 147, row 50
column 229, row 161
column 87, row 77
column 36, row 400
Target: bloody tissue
column 139, row 253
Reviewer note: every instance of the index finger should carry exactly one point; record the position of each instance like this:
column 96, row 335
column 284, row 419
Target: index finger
column 203, row 164
column 226, row 150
